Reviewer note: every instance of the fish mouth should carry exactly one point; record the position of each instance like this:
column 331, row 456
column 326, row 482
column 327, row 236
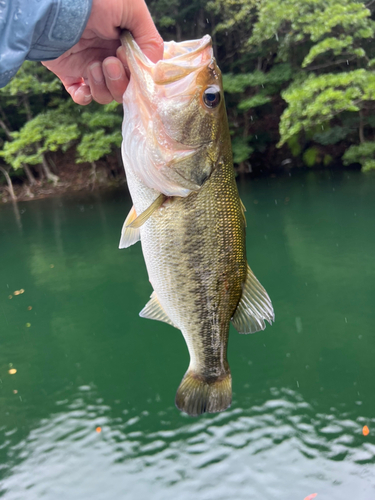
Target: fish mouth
column 179, row 59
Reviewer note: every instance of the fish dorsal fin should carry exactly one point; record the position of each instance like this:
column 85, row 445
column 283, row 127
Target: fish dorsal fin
column 154, row 310
column 129, row 236
column 254, row 307
column 141, row 219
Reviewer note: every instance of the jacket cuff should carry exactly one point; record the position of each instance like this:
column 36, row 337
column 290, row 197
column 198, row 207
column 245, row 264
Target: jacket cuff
column 63, row 28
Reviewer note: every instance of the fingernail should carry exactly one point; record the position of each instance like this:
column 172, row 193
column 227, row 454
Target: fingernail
column 97, row 72
column 113, row 70
column 85, row 93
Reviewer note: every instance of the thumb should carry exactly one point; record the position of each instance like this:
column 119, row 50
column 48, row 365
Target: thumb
column 143, row 29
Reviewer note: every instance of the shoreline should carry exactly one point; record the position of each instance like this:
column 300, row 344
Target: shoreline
column 79, row 178
column 72, row 178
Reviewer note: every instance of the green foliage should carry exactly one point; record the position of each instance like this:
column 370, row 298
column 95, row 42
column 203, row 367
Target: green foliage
column 95, row 145
column 338, row 46
column 54, row 123
column 293, row 21
column 48, row 131
column 234, row 14
column 306, row 67
column 32, row 78
column 241, row 149
column 253, row 102
column 310, row 156
column 332, row 135
column 278, row 75
column 294, row 145
column 363, row 153
column 327, row 160
column 102, row 132
column 316, row 99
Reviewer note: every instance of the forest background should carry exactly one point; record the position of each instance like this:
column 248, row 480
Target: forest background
column 300, row 93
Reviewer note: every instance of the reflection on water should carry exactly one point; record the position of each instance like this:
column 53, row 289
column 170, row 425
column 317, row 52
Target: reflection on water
column 277, row 448
column 303, row 388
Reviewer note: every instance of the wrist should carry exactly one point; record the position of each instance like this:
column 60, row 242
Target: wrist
column 62, row 28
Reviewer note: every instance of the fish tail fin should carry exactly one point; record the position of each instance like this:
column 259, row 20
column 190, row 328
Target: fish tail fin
column 198, row 394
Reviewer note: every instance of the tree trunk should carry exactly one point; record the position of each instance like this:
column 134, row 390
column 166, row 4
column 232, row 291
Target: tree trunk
column 5, row 123
column 26, row 103
column 52, row 165
column 119, row 160
column 6, row 129
column 9, row 182
column 40, row 170
column 213, row 36
column 93, row 174
column 29, row 175
column 200, row 24
column 50, row 176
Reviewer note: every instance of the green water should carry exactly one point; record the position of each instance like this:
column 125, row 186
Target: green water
column 303, row 388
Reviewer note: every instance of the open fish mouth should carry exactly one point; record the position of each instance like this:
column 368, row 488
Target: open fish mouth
column 179, row 59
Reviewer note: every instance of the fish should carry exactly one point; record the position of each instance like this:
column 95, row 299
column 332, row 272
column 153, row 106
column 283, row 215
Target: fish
column 187, row 213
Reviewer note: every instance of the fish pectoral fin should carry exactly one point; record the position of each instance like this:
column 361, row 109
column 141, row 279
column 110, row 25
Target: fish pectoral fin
column 154, row 310
column 254, row 307
column 129, row 236
column 141, row 219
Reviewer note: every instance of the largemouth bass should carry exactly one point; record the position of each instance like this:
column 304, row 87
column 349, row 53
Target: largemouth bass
column 188, row 214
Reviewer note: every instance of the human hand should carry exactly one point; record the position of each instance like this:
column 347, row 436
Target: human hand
column 90, row 69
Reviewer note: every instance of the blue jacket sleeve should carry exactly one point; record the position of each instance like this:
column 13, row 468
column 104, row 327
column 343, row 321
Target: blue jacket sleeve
column 38, row 30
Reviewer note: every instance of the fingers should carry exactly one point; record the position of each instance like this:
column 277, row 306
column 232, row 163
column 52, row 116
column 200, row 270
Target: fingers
column 107, row 80
column 144, row 32
column 115, row 77
column 80, row 93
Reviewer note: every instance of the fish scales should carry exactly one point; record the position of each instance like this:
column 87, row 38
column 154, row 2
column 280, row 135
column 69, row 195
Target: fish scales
column 192, row 227
column 197, row 266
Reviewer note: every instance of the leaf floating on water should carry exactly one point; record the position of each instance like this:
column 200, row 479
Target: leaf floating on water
column 365, row 430
column 310, row 497
column 29, row 308
column 28, row 325
column 12, row 371
column 15, row 391
column 98, row 430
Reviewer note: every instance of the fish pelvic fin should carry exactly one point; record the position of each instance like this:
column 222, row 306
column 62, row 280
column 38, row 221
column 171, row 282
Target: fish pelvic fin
column 129, row 236
column 141, row 219
column 198, row 394
column 254, row 307
column 154, row 310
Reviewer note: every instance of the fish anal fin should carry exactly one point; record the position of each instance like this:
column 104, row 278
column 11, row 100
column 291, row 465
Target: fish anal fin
column 154, row 310
column 129, row 236
column 254, row 307
column 141, row 219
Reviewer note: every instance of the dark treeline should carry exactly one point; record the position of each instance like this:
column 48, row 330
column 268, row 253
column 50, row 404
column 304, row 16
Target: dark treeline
column 299, row 83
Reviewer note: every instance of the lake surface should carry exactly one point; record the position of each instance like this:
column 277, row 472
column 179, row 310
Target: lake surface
column 89, row 413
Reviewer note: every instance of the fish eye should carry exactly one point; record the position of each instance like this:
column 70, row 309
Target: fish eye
column 211, row 97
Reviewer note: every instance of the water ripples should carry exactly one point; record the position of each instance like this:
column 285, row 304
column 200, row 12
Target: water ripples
column 276, row 448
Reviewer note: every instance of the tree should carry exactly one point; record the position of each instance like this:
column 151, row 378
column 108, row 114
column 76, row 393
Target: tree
column 102, row 133
column 329, row 45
